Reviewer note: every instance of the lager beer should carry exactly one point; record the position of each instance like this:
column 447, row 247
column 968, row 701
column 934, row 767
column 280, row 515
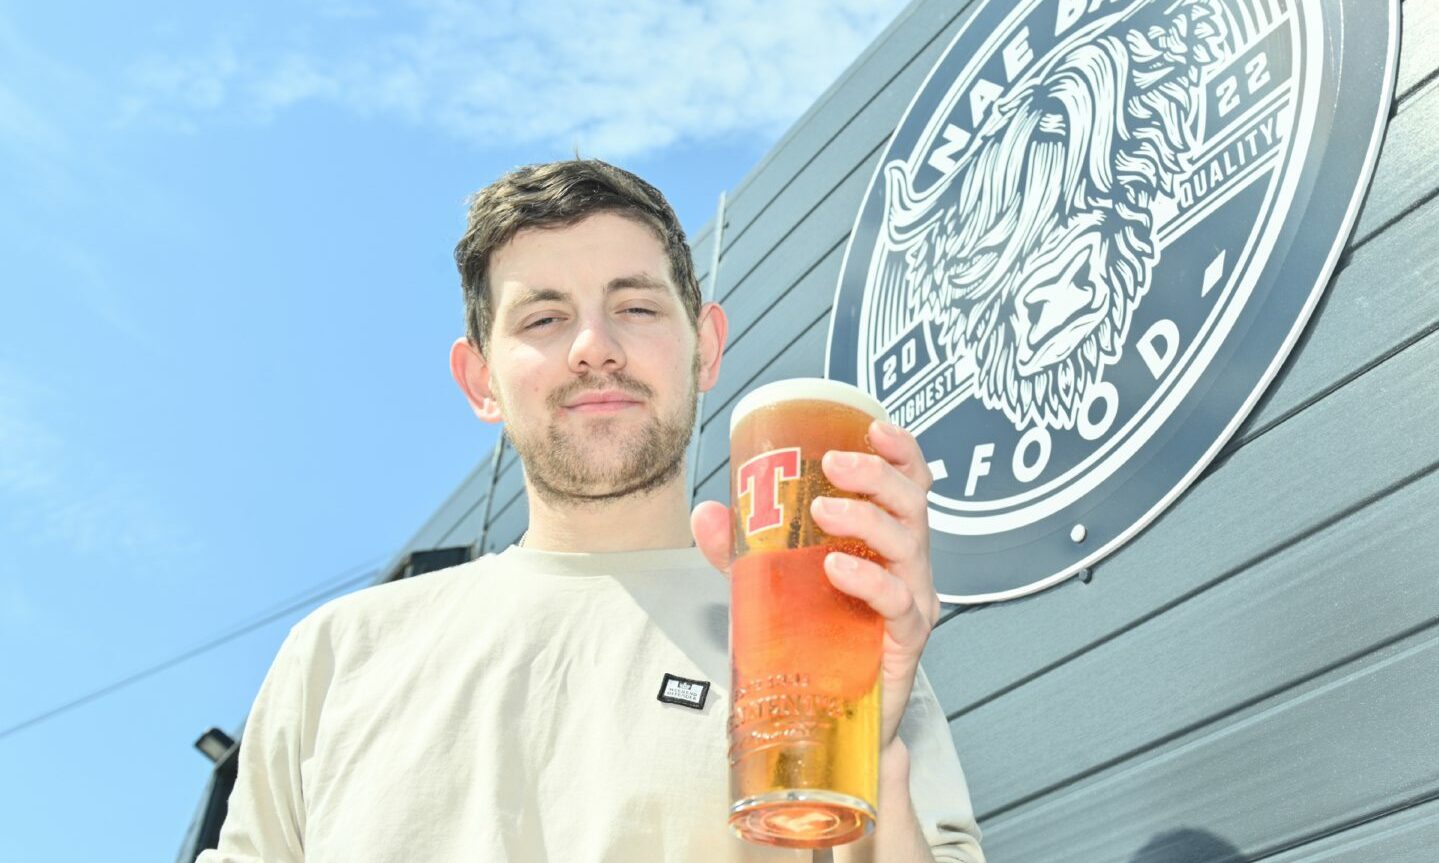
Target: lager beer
column 805, row 721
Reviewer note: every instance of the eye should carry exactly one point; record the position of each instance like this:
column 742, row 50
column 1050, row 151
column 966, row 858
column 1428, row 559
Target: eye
column 537, row 323
column 641, row 311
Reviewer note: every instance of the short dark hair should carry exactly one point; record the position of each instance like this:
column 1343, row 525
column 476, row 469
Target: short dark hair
column 556, row 194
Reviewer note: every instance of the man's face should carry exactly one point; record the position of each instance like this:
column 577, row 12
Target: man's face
column 593, row 363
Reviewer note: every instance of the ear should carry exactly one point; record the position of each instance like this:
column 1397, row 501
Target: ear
column 713, row 328
column 472, row 372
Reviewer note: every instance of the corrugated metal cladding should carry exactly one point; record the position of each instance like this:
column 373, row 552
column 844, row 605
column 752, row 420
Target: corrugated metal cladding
column 1257, row 674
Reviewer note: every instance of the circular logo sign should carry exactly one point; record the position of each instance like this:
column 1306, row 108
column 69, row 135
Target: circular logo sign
column 1090, row 243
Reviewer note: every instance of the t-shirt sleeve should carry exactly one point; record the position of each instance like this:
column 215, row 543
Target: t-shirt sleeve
column 266, row 818
column 936, row 781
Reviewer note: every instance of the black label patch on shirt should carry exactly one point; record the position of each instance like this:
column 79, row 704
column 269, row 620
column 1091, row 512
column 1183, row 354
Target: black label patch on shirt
column 684, row 692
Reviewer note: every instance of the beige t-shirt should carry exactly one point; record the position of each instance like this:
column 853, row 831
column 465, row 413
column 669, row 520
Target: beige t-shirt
column 506, row 710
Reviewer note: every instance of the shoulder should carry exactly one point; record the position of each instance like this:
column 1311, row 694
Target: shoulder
column 393, row 608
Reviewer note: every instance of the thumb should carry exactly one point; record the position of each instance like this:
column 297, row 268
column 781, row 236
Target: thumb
column 710, row 524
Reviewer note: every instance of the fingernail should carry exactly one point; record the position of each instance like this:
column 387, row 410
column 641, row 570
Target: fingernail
column 844, row 459
column 843, row 562
column 887, row 428
column 831, row 505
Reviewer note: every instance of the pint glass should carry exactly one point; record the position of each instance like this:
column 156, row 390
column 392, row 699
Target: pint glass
column 805, row 720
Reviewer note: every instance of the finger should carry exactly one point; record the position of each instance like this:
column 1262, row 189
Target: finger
column 882, row 591
column 900, row 449
column 862, row 520
column 904, row 546
column 710, row 524
column 880, row 481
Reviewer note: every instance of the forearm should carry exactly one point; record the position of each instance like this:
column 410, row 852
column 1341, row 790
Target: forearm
column 897, row 837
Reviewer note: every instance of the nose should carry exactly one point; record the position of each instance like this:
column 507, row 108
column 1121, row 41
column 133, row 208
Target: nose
column 596, row 348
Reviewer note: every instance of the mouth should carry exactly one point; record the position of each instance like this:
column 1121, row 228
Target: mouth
column 607, row 402
column 1058, row 310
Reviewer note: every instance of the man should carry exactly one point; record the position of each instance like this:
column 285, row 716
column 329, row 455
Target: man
column 505, row 709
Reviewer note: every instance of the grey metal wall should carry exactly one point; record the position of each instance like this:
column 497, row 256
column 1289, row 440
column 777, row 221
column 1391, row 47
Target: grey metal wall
column 1257, row 674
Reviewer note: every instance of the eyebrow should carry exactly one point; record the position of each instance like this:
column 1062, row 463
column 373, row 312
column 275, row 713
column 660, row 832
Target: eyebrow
column 639, row 281
column 643, row 281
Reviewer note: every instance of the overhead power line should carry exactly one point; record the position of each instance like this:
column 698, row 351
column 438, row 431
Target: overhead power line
column 314, row 593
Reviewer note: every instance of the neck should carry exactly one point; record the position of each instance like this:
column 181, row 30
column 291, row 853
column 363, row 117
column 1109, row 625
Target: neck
column 658, row 518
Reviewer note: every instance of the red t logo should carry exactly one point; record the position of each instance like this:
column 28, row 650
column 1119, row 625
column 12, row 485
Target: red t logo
column 759, row 478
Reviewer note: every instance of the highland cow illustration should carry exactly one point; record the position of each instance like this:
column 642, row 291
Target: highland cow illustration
column 1035, row 254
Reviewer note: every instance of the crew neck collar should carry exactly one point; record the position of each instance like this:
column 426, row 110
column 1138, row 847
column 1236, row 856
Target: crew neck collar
column 613, row 563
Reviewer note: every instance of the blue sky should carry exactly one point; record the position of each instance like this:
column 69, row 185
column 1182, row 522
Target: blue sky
column 226, row 302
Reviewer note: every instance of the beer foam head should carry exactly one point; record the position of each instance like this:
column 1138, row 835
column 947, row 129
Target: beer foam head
column 797, row 389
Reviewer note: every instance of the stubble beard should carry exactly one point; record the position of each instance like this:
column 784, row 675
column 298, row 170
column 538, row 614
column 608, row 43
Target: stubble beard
column 560, row 465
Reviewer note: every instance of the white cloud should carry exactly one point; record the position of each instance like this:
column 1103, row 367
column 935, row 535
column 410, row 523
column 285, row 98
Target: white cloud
column 33, row 145
column 619, row 77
